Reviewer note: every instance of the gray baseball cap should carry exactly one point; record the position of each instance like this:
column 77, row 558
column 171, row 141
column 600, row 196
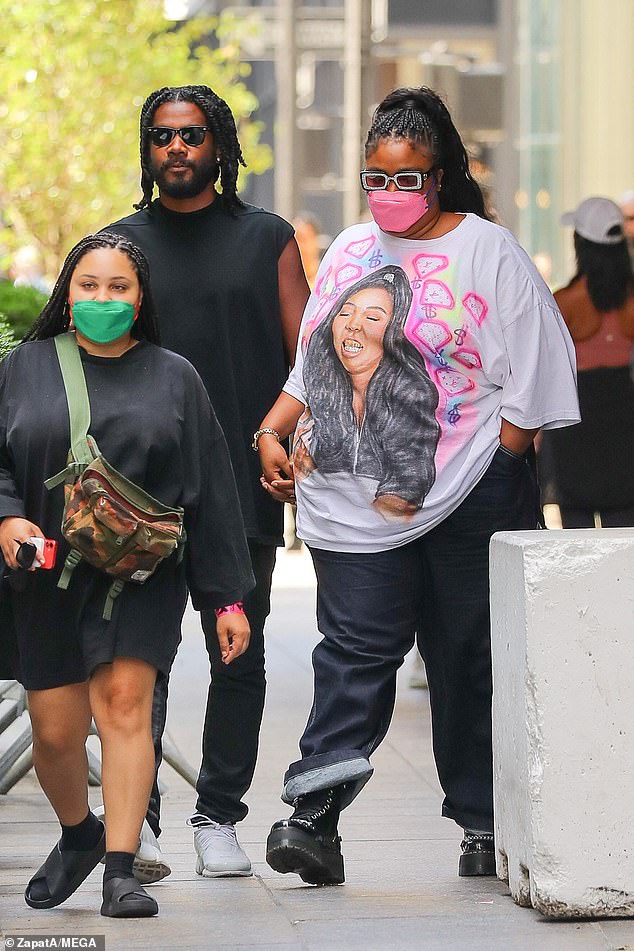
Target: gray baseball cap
column 594, row 218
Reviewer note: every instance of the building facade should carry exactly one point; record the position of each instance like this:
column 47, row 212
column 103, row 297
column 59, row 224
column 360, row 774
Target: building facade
column 541, row 91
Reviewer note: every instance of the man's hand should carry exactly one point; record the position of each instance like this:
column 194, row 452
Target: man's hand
column 277, row 471
column 14, row 531
column 233, row 635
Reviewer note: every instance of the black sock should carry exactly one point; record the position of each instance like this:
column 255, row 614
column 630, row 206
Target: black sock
column 118, row 865
column 84, row 836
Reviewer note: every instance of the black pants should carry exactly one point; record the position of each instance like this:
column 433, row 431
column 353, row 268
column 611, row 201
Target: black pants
column 584, row 518
column 235, row 703
column 369, row 609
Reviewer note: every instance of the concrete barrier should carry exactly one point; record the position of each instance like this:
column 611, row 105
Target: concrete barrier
column 562, row 606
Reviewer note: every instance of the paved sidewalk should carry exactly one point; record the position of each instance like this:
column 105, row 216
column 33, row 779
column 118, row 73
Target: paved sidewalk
column 401, row 890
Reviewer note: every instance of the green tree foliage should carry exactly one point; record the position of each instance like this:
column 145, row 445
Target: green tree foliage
column 20, row 306
column 73, row 76
column 7, row 338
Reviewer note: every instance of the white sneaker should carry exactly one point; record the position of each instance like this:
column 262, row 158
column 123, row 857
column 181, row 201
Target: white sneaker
column 217, row 847
column 149, row 864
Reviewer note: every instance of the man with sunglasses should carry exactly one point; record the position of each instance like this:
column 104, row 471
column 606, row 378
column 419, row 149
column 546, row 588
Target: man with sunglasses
column 230, row 292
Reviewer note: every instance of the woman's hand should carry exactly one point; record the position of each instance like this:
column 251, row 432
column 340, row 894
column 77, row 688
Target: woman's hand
column 277, row 471
column 515, row 439
column 233, row 633
column 14, row 531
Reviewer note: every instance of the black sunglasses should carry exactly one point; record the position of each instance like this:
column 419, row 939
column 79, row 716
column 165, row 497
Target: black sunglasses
column 162, row 135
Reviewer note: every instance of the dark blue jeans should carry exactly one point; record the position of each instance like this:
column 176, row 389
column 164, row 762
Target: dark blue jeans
column 235, row 703
column 370, row 607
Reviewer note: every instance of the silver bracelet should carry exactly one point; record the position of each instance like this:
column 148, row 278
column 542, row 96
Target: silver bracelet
column 261, row 432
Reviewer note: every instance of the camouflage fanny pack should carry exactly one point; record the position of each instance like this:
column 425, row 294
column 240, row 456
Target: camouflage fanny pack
column 108, row 521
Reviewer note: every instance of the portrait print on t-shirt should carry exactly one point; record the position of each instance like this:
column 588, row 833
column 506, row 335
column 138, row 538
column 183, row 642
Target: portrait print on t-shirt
column 371, row 403
column 411, row 353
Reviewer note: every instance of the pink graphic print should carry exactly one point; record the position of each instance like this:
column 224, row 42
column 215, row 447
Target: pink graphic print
column 323, row 280
column 437, row 294
column 453, row 382
column 347, row 273
column 477, row 307
column 445, row 334
column 322, row 310
column 434, row 334
column 359, row 249
column 425, row 264
column 469, row 359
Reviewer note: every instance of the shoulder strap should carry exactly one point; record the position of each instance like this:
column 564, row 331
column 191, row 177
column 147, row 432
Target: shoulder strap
column 83, row 448
column 76, row 395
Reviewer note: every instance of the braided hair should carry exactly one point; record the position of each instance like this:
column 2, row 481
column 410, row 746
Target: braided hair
column 55, row 318
column 419, row 116
column 218, row 117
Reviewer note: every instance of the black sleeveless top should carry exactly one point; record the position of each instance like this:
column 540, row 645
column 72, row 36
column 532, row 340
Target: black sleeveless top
column 215, row 280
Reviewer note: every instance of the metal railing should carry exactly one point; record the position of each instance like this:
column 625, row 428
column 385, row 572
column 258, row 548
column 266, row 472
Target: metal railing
column 16, row 739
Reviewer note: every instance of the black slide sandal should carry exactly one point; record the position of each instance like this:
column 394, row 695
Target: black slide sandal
column 126, row 898
column 64, row 872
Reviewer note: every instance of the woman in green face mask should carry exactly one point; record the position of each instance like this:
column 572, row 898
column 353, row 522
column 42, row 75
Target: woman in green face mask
column 104, row 300
column 151, row 418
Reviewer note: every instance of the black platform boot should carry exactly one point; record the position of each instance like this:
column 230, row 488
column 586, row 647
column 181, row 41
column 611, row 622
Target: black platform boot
column 478, row 854
column 308, row 843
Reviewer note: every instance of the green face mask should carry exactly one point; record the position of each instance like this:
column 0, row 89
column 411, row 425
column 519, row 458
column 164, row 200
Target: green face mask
column 102, row 321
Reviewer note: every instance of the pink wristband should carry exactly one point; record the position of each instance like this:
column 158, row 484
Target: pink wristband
column 237, row 608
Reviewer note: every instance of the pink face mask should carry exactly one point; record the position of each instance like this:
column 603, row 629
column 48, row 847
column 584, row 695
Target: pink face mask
column 397, row 211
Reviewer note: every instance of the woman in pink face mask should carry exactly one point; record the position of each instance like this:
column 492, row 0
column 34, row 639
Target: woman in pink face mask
column 404, row 171
column 403, row 188
column 440, row 426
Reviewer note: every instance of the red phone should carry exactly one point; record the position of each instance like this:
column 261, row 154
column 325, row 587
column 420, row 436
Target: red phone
column 46, row 547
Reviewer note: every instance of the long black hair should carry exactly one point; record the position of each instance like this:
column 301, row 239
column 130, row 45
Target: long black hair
column 419, row 116
column 55, row 318
column 218, row 117
column 400, row 430
column 608, row 272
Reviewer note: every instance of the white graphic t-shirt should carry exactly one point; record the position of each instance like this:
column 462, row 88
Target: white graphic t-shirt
column 410, row 352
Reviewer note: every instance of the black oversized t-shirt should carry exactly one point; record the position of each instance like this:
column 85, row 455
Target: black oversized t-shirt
column 152, row 420
column 215, row 281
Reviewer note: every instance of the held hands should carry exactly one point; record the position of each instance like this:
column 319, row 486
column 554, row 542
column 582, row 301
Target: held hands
column 233, row 635
column 277, row 470
column 14, row 531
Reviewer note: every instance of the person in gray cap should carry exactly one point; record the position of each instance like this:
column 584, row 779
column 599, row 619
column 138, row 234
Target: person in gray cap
column 598, row 307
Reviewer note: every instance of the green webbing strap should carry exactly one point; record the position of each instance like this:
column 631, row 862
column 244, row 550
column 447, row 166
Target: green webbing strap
column 72, row 560
column 69, row 474
column 76, row 396
column 83, row 449
column 115, row 590
column 78, row 410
